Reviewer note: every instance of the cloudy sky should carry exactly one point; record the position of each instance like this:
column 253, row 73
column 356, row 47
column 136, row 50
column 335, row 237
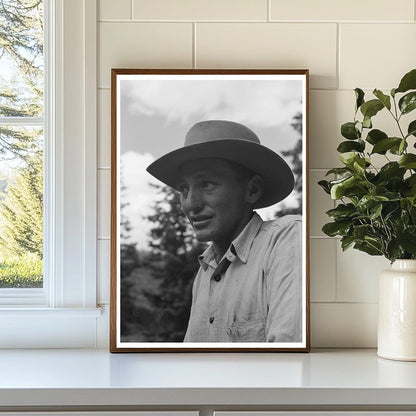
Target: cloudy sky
column 155, row 115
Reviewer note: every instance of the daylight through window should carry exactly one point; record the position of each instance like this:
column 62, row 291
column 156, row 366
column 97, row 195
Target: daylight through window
column 21, row 143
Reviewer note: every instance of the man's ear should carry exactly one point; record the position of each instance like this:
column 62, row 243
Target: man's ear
column 255, row 187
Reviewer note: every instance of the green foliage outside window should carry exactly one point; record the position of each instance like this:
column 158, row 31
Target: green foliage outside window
column 21, row 145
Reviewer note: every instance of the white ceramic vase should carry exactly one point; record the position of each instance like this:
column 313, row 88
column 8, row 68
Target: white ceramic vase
column 397, row 312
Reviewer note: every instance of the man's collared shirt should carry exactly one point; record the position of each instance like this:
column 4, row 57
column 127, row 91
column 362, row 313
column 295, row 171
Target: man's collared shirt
column 254, row 294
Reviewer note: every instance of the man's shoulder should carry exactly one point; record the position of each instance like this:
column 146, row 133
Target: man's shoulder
column 287, row 221
column 280, row 229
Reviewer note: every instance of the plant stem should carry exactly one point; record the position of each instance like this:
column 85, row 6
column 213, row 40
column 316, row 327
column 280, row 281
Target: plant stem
column 397, row 118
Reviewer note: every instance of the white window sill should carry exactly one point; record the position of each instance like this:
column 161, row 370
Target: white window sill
column 330, row 379
column 40, row 327
column 36, row 312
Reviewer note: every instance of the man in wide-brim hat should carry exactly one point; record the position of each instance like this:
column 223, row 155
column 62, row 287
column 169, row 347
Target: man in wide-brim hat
column 248, row 287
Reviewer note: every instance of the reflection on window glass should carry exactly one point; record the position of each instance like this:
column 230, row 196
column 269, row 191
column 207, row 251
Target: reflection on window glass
column 21, row 143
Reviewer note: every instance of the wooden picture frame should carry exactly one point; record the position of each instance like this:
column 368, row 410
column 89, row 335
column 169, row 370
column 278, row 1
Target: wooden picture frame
column 155, row 250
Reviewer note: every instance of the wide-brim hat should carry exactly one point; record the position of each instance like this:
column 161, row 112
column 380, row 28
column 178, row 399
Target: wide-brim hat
column 231, row 141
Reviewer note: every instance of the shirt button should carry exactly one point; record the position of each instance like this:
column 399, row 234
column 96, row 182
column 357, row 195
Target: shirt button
column 212, row 319
column 217, row 277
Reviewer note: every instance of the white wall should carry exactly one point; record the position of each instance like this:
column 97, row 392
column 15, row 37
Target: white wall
column 345, row 44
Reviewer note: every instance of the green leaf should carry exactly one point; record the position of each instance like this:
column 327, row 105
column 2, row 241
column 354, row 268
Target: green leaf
column 368, row 248
column 338, row 188
column 338, row 171
column 375, row 136
column 383, row 145
column 375, row 211
column 348, row 158
column 367, row 122
column 411, row 180
column 346, row 242
column 398, row 149
column 408, row 161
column 374, row 242
column 349, row 146
column 391, row 170
column 385, row 99
column 349, row 131
column 359, row 94
column 359, row 165
column 369, row 201
column 348, row 187
column 411, row 183
column 393, row 92
column 360, row 231
column 407, row 239
column 354, row 161
column 411, row 130
column 391, row 211
column 408, row 82
column 393, row 250
column 402, row 147
column 342, row 211
column 371, row 108
column 336, row 228
column 325, row 186
column 408, row 102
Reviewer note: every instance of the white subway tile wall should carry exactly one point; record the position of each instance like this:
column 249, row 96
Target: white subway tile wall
column 103, row 270
column 344, row 44
column 376, row 54
column 270, row 45
column 104, row 128
column 357, row 275
column 355, row 10
column 337, row 325
column 200, row 10
column 104, row 202
column 114, row 10
column 142, row 45
column 323, row 269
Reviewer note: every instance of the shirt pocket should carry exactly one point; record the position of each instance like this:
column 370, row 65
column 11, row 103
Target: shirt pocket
column 247, row 331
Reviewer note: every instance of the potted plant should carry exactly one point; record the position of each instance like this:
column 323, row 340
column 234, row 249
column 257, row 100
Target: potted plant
column 376, row 210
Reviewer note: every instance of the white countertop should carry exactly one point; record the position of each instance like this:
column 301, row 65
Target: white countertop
column 96, row 377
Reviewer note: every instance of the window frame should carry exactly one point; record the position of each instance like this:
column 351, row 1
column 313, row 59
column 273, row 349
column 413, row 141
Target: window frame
column 66, row 306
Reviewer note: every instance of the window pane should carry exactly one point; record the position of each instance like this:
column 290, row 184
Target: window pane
column 21, row 207
column 21, row 58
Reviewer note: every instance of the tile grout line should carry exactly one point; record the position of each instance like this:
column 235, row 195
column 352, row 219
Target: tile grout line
column 269, row 11
column 307, row 22
column 131, row 9
column 336, row 271
column 310, row 89
column 194, row 63
column 344, row 303
column 338, row 63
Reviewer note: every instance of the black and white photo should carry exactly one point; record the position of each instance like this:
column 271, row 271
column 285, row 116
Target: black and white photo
column 209, row 247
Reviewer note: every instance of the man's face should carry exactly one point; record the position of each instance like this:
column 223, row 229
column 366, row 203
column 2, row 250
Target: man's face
column 213, row 197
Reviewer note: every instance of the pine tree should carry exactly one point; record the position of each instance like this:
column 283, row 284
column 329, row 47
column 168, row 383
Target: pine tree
column 173, row 263
column 21, row 212
column 21, row 95
column 129, row 261
column 295, row 154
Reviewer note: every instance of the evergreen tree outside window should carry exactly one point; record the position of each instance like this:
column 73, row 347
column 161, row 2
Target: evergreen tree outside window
column 22, row 120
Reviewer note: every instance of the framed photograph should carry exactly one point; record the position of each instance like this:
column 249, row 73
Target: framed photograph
column 209, row 211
